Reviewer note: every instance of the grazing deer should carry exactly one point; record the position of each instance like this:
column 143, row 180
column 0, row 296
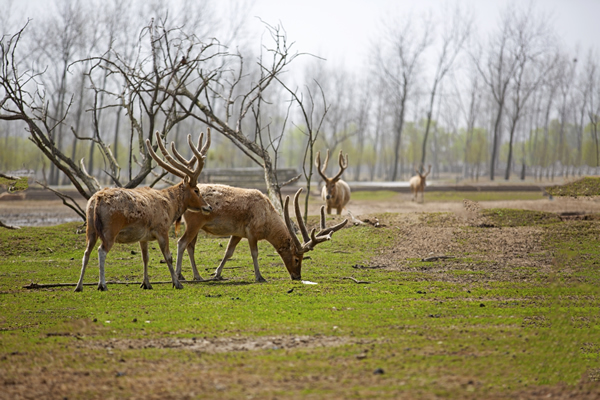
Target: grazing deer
column 336, row 192
column 417, row 184
column 117, row 215
column 247, row 213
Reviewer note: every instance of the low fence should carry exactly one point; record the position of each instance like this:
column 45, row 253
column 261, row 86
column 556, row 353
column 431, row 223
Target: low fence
column 244, row 177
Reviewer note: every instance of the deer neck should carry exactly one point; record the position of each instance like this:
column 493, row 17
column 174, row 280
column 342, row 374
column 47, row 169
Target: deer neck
column 175, row 198
column 280, row 237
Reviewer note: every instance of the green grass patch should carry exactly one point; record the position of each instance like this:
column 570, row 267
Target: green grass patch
column 481, row 196
column 587, row 186
column 425, row 336
column 15, row 185
column 514, row 217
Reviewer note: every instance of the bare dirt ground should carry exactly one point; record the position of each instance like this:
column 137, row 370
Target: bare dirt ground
column 53, row 212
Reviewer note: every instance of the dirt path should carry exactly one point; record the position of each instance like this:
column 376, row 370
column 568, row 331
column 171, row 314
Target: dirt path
column 53, row 212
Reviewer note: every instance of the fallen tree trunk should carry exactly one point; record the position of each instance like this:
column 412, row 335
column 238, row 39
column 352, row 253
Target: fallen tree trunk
column 34, row 285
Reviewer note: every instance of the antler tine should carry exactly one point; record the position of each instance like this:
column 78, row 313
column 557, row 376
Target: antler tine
column 189, row 163
column 323, row 235
column 288, row 223
column 200, row 154
column 343, row 165
column 299, row 217
column 334, row 228
column 325, row 162
column 314, row 240
column 207, row 144
column 429, row 170
column 320, row 170
column 174, row 163
column 160, row 161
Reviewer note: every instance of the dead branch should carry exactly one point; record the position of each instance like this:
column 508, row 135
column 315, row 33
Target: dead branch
column 358, row 266
column 3, row 225
column 356, row 280
column 73, row 206
column 34, row 285
column 436, row 258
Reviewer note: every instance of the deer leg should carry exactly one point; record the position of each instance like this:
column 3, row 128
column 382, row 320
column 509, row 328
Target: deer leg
column 254, row 252
column 145, row 257
column 91, row 242
column 233, row 241
column 187, row 241
column 339, row 210
column 328, row 209
column 163, row 242
column 190, row 249
column 102, row 252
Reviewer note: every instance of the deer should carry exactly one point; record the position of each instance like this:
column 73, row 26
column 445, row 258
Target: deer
column 417, row 184
column 247, row 213
column 336, row 192
column 119, row 215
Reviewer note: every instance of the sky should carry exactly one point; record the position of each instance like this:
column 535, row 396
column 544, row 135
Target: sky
column 343, row 30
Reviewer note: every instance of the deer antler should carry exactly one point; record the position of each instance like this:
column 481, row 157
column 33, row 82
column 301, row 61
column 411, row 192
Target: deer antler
column 181, row 168
column 310, row 241
column 318, row 165
column 343, row 166
column 428, row 171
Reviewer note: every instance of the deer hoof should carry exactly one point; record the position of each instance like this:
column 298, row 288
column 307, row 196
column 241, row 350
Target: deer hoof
column 260, row 279
column 180, row 277
column 79, row 289
column 102, row 287
column 146, row 285
column 177, row 285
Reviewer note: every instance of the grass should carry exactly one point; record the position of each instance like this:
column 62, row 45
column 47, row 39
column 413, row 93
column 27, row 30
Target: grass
column 482, row 196
column 428, row 337
column 588, row 186
column 447, row 196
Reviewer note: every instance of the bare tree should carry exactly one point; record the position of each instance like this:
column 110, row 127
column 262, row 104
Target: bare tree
column 593, row 100
column 497, row 67
column 530, row 50
column 397, row 64
column 209, row 84
column 456, row 31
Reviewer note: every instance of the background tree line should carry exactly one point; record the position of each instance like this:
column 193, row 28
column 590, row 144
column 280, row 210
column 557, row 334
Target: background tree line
column 87, row 83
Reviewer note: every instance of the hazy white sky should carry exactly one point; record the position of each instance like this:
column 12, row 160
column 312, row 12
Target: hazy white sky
column 341, row 30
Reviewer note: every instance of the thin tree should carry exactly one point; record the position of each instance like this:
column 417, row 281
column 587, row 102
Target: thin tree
column 456, row 31
column 397, row 64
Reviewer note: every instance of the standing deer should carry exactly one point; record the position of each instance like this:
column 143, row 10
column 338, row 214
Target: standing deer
column 336, row 192
column 247, row 213
column 417, row 184
column 117, row 215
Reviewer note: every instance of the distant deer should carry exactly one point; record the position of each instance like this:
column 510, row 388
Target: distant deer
column 336, row 192
column 417, row 184
column 118, row 215
column 247, row 213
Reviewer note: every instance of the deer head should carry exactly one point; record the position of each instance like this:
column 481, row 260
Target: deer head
column 330, row 183
column 294, row 266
